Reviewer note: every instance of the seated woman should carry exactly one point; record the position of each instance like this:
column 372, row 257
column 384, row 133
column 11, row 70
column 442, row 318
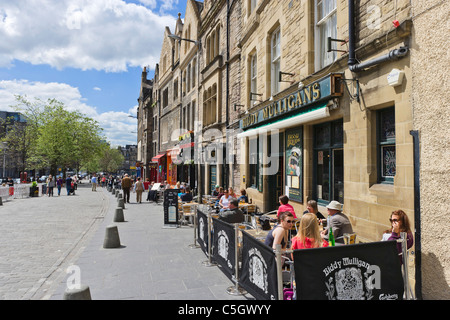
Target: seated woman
column 400, row 223
column 279, row 234
column 224, row 201
column 243, row 197
column 308, row 235
column 312, row 208
column 231, row 192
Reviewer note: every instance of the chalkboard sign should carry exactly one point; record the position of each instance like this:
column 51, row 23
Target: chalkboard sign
column 171, row 208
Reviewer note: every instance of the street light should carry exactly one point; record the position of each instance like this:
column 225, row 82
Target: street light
column 175, row 37
column 5, row 147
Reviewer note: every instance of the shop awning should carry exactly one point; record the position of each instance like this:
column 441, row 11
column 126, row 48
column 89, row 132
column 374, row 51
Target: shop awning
column 173, row 152
column 158, row 157
column 297, row 120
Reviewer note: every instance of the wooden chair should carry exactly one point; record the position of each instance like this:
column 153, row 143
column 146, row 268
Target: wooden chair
column 188, row 212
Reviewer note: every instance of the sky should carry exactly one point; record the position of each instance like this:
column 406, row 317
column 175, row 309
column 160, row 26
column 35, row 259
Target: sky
column 88, row 54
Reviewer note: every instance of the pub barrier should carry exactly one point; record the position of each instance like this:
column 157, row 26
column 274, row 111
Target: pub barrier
column 365, row 271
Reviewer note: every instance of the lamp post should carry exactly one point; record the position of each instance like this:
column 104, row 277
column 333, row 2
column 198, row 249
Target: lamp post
column 198, row 165
column 5, row 147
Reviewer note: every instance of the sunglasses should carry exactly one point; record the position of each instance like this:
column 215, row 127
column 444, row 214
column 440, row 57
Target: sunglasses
column 394, row 220
column 289, row 221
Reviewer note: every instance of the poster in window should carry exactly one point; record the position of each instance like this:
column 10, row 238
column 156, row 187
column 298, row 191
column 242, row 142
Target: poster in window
column 294, row 163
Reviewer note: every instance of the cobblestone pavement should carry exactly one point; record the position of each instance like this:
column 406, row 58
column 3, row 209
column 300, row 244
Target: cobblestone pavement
column 40, row 236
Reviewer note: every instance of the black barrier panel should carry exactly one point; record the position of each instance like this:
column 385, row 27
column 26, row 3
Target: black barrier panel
column 224, row 245
column 259, row 269
column 202, row 230
column 369, row 271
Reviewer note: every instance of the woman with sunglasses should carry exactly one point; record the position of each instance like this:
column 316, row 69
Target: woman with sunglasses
column 279, row 234
column 400, row 223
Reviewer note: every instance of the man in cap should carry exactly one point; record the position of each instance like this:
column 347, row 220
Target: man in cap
column 338, row 221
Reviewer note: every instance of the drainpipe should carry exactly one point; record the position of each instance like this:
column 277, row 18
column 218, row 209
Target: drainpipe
column 353, row 64
column 391, row 56
column 417, row 222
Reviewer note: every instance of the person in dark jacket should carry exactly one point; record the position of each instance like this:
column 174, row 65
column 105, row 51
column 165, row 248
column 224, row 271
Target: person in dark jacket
column 233, row 214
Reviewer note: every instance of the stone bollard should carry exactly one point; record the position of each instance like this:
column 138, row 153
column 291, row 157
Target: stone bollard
column 120, row 196
column 112, row 239
column 113, row 191
column 83, row 293
column 121, row 203
column 1, row 201
column 117, row 193
column 118, row 215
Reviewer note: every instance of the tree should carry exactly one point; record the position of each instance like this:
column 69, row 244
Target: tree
column 60, row 137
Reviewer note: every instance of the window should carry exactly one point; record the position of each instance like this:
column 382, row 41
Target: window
column 175, row 89
column 275, row 61
column 386, row 145
column 165, row 98
column 210, row 105
column 329, row 162
column 255, row 149
column 212, row 45
column 253, row 75
column 326, row 26
column 252, row 6
column 194, row 68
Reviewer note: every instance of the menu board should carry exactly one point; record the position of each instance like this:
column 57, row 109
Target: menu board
column 294, row 164
column 171, row 207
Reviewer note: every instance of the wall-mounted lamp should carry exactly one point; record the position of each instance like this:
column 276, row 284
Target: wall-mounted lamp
column 329, row 40
column 280, row 75
column 301, row 85
column 175, row 37
column 238, row 105
column 254, row 94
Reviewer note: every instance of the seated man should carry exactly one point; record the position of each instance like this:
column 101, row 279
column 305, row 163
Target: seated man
column 233, row 214
column 187, row 196
column 338, row 221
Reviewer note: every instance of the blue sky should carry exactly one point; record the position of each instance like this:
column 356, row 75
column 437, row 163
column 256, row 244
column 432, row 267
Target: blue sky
column 87, row 54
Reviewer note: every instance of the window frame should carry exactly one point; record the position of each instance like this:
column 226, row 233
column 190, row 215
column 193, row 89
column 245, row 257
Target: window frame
column 275, row 60
column 383, row 143
column 322, row 57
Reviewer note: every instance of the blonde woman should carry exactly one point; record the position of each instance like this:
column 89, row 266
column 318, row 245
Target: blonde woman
column 308, row 235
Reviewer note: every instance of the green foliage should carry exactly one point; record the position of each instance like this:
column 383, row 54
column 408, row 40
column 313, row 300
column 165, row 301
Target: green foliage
column 58, row 137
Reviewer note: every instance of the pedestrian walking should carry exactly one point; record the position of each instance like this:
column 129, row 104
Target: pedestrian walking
column 68, row 184
column 59, row 183
column 50, row 185
column 94, row 182
column 126, row 186
column 139, row 188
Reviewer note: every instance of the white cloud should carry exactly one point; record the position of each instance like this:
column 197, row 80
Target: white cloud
column 118, row 127
column 105, row 35
column 97, row 89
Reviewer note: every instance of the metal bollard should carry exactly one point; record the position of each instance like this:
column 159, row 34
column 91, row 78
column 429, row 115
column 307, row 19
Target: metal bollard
column 236, row 290
column 209, row 262
column 195, row 245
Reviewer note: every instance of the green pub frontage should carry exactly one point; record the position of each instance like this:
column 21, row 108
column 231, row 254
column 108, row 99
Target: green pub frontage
column 281, row 155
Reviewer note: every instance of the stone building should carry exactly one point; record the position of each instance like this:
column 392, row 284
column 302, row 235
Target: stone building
column 322, row 100
column 325, row 84
column 219, row 94
column 431, row 122
column 145, row 116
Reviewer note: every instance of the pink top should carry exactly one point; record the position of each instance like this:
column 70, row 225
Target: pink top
column 286, row 207
column 297, row 244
